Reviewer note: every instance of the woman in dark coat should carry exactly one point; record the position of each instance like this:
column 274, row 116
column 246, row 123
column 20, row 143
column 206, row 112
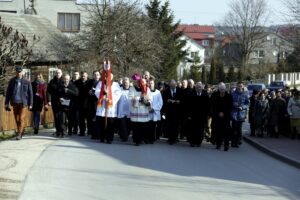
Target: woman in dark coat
column 39, row 100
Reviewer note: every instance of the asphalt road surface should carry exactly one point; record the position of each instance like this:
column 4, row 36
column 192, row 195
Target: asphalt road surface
column 79, row 168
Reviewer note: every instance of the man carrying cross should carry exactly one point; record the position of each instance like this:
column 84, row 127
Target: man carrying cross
column 108, row 94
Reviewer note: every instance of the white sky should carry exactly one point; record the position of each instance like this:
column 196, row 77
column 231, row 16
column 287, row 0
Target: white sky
column 212, row 11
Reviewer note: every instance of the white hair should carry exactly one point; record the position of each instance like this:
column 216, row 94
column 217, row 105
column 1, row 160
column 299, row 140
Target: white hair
column 222, row 86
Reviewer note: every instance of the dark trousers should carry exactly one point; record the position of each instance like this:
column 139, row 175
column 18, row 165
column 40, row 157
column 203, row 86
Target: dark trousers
column 237, row 132
column 73, row 119
column 63, row 121
column 252, row 128
column 36, row 119
column 124, row 128
column 138, row 131
column 172, row 129
column 151, row 132
column 19, row 114
column 55, row 111
column 105, row 134
column 82, row 118
column 196, row 131
column 222, row 129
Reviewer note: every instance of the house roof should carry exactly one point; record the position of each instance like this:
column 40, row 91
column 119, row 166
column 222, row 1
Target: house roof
column 196, row 28
column 30, row 25
column 196, row 36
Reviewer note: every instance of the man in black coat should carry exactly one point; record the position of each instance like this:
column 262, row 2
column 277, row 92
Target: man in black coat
column 53, row 99
column 83, row 89
column 92, row 101
column 67, row 93
column 172, row 98
column 198, row 109
column 221, row 104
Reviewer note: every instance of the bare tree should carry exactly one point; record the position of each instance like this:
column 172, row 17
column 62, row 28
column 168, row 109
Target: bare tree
column 293, row 7
column 14, row 49
column 245, row 22
column 293, row 17
column 119, row 30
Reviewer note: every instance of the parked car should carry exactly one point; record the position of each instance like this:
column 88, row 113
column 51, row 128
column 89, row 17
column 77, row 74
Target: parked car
column 277, row 85
column 255, row 86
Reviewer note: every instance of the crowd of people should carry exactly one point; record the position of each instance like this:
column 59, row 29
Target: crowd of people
column 148, row 110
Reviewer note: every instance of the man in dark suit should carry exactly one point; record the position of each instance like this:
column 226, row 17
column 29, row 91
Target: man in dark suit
column 172, row 98
column 19, row 95
column 198, row 109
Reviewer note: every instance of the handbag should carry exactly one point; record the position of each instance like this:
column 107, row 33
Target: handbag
column 238, row 115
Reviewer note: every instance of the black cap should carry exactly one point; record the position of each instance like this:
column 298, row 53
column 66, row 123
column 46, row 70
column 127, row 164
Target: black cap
column 18, row 68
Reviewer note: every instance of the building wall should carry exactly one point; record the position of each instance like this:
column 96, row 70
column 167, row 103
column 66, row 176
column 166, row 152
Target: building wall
column 46, row 8
column 271, row 45
column 191, row 46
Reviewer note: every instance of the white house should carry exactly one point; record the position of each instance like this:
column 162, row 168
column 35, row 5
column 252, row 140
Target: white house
column 66, row 15
column 193, row 49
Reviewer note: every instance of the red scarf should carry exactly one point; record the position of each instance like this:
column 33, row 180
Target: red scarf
column 106, row 81
column 143, row 86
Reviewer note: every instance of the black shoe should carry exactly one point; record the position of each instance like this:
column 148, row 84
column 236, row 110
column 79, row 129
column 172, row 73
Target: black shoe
column 234, row 145
column 108, row 142
column 18, row 137
column 36, row 131
column 218, row 147
column 81, row 134
column 226, row 148
column 62, row 136
column 192, row 145
column 137, row 144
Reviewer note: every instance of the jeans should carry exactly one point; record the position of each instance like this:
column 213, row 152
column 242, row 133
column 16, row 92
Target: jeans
column 36, row 118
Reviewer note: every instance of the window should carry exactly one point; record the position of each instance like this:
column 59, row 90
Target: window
column 193, row 54
column 274, row 41
column 205, row 42
column 68, row 22
column 27, row 74
column 259, row 54
column 51, row 73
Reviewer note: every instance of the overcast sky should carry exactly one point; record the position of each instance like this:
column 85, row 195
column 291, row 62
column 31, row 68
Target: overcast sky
column 212, row 11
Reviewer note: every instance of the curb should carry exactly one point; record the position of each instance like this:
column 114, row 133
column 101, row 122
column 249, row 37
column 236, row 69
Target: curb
column 273, row 153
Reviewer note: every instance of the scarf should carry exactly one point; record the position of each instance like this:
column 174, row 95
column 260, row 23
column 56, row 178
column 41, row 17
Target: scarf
column 143, row 86
column 106, row 81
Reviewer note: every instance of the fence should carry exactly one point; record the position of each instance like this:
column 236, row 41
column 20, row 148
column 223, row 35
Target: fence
column 7, row 120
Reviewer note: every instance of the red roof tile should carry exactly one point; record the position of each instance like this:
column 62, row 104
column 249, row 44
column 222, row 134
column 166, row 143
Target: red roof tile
column 196, row 29
column 196, row 36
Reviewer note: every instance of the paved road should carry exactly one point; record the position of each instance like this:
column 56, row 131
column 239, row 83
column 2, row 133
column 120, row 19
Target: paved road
column 83, row 169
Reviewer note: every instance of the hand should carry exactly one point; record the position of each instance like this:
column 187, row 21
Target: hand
column 30, row 108
column 240, row 108
column 49, row 103
column 170, row 101
column 46, row 107
column 221, row 114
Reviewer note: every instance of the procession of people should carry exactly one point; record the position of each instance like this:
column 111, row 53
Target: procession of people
column 150, row 110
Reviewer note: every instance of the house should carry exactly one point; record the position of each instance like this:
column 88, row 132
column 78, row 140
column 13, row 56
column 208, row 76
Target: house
column 66, row 15
column 201, row 39
column 204, row 35
column 44, row 59
column 270, row 49
column 193, row 50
